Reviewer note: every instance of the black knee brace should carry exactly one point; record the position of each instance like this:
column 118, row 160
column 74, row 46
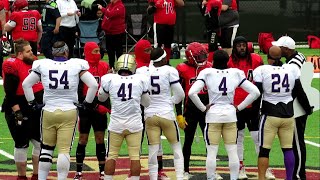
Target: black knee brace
column 101, row 152
column 46, row 156
column 286, row 149
column 264, row 152
column 81, row 153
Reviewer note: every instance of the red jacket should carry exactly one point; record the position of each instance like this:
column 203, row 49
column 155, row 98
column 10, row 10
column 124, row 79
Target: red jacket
column 114, row 18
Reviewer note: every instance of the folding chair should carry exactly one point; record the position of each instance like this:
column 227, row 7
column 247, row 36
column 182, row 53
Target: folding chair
column 88, row 33
column 137, row 29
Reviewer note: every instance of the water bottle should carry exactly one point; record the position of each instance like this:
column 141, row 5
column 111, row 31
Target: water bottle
column 183, row 53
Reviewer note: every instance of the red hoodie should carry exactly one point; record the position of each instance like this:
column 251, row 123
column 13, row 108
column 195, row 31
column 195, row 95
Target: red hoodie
column 142, row 58
column 114, row 18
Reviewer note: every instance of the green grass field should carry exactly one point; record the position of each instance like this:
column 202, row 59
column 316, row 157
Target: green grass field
column 276, row 158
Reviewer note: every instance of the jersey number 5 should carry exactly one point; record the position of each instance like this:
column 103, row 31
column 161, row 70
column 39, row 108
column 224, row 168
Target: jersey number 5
column 57, row 81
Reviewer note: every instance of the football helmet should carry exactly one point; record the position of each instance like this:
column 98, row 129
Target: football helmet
column 126, row 62
column 6, row 46
column 196, row 54
column 19, row 4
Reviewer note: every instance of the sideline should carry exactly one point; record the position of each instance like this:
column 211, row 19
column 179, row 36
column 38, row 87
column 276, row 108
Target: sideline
column 11, row 157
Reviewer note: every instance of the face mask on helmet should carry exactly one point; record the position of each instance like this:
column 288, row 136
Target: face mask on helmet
column 196, row 54
column 6, row 48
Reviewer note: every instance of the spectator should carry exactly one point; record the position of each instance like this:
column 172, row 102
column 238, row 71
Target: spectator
column 59, row 115
column 220, row 111
column 25, row 24
column 229, row 23
column 89, row 9
column 287, row 46
column 278, row 85
column 69, row 19
column 164, row 20
column 96, row 118
column 50, row 23
column 23, row 122
column 114, row 25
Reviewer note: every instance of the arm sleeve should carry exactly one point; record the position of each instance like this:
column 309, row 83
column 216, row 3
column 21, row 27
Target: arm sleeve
column 178, row 93
column 193, row 94
column 10, row 85
column 27, row 84
column 145, row 100
column 92, row 84
column 103, row 92
column 179, row 105
column 301, row 96
column 253, row 94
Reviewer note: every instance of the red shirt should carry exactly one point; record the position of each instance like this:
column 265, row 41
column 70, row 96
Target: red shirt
column 97, row 71
column 165, row 13
column 20, row 69
column 114, row 17
column 247, row 68
column 5, row 5
column 26, row 25
column 188, row 74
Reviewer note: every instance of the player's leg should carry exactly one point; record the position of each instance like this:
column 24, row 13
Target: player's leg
column 65, row 136
column 118, row 41
column 299, row 148
column 114, row 144
column 229, row 135
column 253, row 126
column 227, row 37
column 212, row 135
column 35, row 158
column 133, row 142
column 168, row 39
column 267, row 131
column 285, row 134
column 110, row 50
column 153, row 132
column 99, row 126
column 49, row 140
column 189, row 133
column 171, row 131
column 241, row 117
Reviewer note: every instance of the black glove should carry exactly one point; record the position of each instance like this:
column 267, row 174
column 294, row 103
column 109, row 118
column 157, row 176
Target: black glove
column 35, row 106
column 19, row 117
column 309, row 111
column 87, row 106
column 151, row 10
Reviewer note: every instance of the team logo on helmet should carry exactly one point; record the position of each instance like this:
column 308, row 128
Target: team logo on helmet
column 196, row 54
column 126, row 62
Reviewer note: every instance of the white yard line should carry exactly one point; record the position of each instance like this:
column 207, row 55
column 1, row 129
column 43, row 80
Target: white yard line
column 312, row 143
column 11, row 157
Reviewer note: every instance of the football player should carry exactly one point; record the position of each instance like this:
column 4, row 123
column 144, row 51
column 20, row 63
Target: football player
column 188, row 120
column 164, row 20
column 60, row 78
column 127, row 91
column 221, row 119
column 142, row 54
column 278, row 84
column 160, row 116
column 25, row 24
column 88, row 117
column 23, row 122
column 242, row 59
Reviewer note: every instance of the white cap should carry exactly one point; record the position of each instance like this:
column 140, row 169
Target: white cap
column 285, row 41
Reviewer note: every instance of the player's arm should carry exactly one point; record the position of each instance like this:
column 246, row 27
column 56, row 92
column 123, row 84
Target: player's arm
column 179, row 105
column 92, row 84
column 178, row 93
column 253, row 94
column 9, row 26
column 193, row 94
column 27, row 84
column 151, row 8
column 39, row 30
column 3, row 19
column 145, row 99
column 302, row 97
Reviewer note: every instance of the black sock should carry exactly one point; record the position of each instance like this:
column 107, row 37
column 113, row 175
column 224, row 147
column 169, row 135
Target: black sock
column 80, row 155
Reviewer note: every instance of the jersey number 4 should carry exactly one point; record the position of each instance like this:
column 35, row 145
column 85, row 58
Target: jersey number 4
column 223, row 86
column 56, row 81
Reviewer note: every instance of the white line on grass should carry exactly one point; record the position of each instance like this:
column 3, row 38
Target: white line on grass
column 312, row 143
column 1, row 82
column 11, row 157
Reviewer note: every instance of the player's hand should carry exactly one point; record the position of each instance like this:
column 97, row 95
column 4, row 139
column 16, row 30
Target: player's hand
column 310, row 110
column 56, row 31
column 35, row 106
column 19, row 117
column 4, row 38
column 181, row 122
column 99, row 6
column 102, row 109
column 208, row 106
column 70, row 14
column 89, row 106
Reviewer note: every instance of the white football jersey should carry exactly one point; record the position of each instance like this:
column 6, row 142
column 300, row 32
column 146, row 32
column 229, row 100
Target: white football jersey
column 277, row 82
column 221, row 85
column 60, row 80
column 125, row 94
column 160, row 80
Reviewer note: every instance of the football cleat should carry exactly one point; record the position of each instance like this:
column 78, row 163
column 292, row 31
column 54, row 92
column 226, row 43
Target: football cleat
column 187, row 175
column 162, row 175
column 126, row 62
column 217, row 176
column 269, row 174
column 101, row 176
column 242, row 173
column 78, row 176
